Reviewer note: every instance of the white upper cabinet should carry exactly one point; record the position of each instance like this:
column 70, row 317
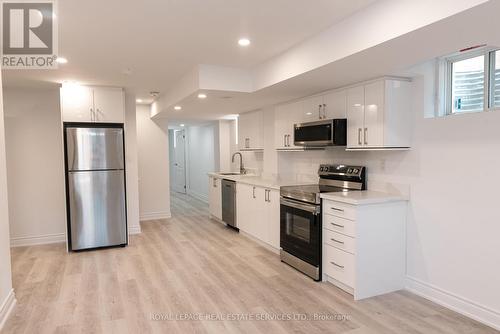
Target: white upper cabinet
column 379, row 115
column 329, row 106
column 92, row 104
column 77, row 103
column 250, row 131
column 335, row 105
column 285, row 117
column 312, row 109
column 109, row 104
column 355, row 116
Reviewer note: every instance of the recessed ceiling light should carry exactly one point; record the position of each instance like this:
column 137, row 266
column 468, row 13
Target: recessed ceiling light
column 138, row 100
column 61, row 60
column 202, row 96
column 177, row 107
column 244, row 42
column 309, row 113
column 182, row 125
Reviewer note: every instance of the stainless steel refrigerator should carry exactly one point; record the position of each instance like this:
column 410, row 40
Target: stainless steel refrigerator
column 95, row 186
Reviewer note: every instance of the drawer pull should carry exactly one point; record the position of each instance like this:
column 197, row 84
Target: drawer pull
column 337, row 265
column 337, row 241
column 337, row 225
column 339, row 210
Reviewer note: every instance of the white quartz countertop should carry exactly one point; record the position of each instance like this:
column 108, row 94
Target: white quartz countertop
column 258, row 181
column 362, row 197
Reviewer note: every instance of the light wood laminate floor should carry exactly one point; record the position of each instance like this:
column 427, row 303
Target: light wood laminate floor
column 190, row 264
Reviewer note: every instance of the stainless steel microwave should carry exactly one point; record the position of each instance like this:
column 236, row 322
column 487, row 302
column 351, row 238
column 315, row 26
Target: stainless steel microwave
column 331, row 132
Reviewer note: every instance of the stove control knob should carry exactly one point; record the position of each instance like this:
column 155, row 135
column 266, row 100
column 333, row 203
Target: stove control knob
column 355, row 171
column 349, row 171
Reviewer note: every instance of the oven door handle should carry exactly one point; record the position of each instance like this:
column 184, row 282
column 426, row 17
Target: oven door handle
column 314, row 209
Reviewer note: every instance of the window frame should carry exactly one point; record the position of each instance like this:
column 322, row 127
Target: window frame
column 489, row 72
column 491, row 80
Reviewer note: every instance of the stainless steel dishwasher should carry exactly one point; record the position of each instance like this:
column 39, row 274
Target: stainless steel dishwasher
column 229, row 202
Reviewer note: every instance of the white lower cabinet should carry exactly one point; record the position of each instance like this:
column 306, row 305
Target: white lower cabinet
column 215, row 197
column 257, row 212
column 364, row 248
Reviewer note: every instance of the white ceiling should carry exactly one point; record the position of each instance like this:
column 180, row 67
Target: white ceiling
column 394, row 56
column 159, row 41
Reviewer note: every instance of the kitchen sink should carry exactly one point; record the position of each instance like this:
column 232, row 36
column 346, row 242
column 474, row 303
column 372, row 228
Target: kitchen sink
column 228, row 174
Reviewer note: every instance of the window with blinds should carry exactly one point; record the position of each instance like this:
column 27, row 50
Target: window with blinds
column 468, row 85
column 473, row 82
column 495, row 80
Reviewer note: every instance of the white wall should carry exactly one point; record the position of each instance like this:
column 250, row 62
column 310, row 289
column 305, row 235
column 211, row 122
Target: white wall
column 7, row 299
column 35, row 166
column 200, row 152
column 154, row 182
column 171, row 153
column 131, row 164
column 453, row 219
column 260, row 163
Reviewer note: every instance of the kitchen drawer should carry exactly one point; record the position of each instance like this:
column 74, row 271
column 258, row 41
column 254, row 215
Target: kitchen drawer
column 339, row 265
column 339, row 209
column 339, row 225
column 340, row 241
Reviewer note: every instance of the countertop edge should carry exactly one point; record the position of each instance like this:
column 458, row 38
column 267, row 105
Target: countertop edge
column 378, row 198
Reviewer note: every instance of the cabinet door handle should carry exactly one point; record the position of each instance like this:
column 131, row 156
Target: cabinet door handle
column 319, row 112
column 324, row 110
column 337, row 241
column 253, row 193
column 336, row 209
column 284, row 140
column 337, row 225
column 288, row 140
column 337, row 265
column 91, row 114
column 366, row 136
column 359, row 136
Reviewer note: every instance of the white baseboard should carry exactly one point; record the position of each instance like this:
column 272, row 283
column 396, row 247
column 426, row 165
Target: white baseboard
column 134, row 229
column 456, row 303
column 198, row 196
column 38, row 240
column 6, row 308
column 154, row 216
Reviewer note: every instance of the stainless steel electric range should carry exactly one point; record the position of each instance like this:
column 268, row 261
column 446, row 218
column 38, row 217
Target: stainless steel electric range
column 300, row 211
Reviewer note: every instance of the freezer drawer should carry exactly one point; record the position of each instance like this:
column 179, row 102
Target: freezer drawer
column 97, row 209
column 94, row 148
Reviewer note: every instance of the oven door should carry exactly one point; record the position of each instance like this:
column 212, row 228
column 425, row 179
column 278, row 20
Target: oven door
column 300, row 230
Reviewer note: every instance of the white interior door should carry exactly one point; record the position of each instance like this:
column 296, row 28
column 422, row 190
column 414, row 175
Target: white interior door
column 179, row 165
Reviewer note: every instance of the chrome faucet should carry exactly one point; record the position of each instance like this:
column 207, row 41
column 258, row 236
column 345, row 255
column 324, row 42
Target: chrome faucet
column 242, row 169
